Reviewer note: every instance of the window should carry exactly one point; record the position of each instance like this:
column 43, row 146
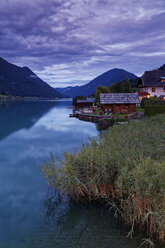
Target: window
column 126, row 105
column 163, row 89
column 163, row 81
column 153, row 89
column 117, row 105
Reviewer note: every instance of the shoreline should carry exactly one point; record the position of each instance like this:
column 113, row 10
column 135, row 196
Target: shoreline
column 19, row 98
column 125, row 167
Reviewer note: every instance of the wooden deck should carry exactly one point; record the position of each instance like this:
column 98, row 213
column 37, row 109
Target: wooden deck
column 94, row 118
column 103, row 118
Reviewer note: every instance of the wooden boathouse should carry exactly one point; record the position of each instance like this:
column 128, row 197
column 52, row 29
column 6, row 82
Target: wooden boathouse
column 89, row 102
column 119, row 102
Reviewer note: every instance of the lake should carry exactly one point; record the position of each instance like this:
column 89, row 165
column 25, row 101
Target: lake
column 30, row 214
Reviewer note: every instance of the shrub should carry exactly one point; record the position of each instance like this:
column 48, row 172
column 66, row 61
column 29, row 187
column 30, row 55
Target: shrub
column 151, row 110
column 152, row 101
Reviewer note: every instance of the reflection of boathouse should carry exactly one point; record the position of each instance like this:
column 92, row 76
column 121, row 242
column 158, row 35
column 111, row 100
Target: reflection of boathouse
column 119, row 102
column 89, row 102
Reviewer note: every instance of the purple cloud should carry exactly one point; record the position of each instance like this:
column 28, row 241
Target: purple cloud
column 69, row 42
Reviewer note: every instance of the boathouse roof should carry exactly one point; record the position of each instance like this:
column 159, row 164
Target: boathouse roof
column 119, row 98
column 153, row 78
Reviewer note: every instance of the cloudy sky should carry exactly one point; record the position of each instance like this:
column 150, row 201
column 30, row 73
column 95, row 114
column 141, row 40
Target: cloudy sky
column 69, row 42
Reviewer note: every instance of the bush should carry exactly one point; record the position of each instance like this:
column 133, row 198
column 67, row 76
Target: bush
column 151, row 110
column 152, row 101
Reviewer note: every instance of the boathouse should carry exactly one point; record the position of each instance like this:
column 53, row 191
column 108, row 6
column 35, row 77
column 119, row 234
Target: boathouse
column 119, row 102
column 153, row 82
column 89, row 102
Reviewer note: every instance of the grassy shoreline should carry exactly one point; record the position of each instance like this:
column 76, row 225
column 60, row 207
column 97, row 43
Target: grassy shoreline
column 125, row 167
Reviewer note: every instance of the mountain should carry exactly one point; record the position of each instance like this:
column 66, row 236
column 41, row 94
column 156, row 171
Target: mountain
column 162, row 67
column 106, row 79
column 21, row 81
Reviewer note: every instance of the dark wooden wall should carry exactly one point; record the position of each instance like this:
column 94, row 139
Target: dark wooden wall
column 122, row 109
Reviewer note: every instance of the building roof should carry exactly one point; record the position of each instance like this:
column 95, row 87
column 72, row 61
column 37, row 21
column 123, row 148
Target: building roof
column 153, row 78
column 119, row 98
column 143, row 93
column 89, row 100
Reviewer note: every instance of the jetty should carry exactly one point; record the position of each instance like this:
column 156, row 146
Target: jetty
column 93, row 118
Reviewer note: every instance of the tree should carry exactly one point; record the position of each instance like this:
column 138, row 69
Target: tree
column 116, row 88
column 127, row 86
column 74, row 101
column 113, row 88
column 101, row 89
column 121, row 87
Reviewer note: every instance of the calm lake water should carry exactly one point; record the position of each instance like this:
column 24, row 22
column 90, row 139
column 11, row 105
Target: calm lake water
column 30, row 214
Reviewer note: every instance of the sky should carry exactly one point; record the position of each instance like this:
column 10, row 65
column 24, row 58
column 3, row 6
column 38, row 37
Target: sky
column 70, row 42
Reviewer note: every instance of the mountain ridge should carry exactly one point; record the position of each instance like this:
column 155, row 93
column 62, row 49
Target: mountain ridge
column 22, row 81
column 106, row 79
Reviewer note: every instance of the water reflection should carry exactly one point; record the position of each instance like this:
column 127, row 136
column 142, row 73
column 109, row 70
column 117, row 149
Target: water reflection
column 84, row 225
column 29, row 132
column 18, row 115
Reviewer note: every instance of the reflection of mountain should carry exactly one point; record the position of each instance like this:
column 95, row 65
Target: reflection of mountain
column 19, row 115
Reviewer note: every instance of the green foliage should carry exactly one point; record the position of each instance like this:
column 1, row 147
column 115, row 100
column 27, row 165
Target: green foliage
column 74, row 101
column 134, row 83
column 127, row 86
column 121, row 87
column 116, row 88
column 151, row 110
column 101, row 89
column 125, row 167
column 152, row 101
column 142, row 197
column 139, row 109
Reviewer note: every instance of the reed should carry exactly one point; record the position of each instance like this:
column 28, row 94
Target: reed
column 124, row 167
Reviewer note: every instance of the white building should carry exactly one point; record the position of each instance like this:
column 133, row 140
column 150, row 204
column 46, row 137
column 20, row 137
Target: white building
column 153, row 83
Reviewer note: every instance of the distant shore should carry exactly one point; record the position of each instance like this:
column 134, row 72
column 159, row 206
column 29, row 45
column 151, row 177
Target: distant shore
column 15, row 98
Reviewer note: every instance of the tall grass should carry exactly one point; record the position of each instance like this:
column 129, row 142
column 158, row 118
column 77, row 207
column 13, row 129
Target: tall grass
column 126, row 168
